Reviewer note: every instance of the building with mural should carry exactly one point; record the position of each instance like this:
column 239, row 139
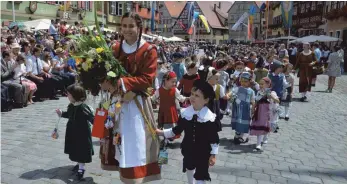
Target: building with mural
column 80, row 11
column 216, row 14
column 235, row 12
column 168, row 14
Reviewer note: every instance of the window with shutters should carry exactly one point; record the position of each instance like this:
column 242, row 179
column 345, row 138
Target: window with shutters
column 87, row 5
column 313, row 7
column 116, row 8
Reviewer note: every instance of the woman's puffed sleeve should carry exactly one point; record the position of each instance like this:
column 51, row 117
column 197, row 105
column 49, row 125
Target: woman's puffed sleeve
column 145, row 75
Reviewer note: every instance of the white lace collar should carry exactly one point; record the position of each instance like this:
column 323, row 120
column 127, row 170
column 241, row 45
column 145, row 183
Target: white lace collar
column 204, row 115
column 128, row 49
column 77, row 103
column 307, row 53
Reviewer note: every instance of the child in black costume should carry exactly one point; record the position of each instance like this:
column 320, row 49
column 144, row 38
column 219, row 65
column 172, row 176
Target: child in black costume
column 78, row 139
column 200, row 125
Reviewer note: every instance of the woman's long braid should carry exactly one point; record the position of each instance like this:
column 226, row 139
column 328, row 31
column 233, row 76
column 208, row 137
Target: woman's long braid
column 120, row 46
column 139, row 39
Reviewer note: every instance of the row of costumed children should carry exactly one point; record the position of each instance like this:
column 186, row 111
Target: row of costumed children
column 253, row 99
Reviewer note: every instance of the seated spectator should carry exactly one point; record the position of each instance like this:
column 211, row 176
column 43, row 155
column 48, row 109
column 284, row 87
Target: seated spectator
column 59, row 65
column 46, row 84
column 15, row 48
column 16, row 90
column 20, row 76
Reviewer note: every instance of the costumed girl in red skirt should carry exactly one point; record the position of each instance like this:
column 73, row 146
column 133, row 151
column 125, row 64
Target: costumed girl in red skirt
column 167, row 95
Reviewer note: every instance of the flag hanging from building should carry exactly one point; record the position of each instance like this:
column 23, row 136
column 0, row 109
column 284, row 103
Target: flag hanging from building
column 181, row 24
column 287, row 13
column 204, row 21
column 153, row 7
column 191, row 29
column 252, row 11
column 190, row 12
column 240, row 21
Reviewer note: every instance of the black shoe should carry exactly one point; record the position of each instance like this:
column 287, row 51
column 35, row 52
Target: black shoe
column 286, row 118
column 75, row 168
column 36, row 99
column 54, row 98
column 281, row 117
column 302, row 99
column 305, row 98
column 237, row 140
column 80, row 174
column 18, row 105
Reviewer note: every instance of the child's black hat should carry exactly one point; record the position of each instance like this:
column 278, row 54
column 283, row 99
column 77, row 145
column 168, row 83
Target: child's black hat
column 205, row 88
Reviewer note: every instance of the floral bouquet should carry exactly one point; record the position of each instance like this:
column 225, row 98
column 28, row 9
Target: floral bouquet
column 95, row 60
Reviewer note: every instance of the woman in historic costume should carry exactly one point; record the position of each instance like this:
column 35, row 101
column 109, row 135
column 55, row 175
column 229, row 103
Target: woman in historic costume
column 137, row 148
column 136, row 144
column 304, row 62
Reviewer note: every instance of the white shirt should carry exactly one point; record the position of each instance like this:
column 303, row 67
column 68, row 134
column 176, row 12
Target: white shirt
column 19, row 70
column 31, row 65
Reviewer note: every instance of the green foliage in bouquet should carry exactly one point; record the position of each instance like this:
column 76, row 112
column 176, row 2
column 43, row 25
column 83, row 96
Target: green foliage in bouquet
column 95, row 60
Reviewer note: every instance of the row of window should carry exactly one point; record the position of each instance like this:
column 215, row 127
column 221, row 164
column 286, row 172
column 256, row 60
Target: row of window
column 335, row 5
column 87, row 5
column 165, row 30
column 166, row 21
column 116, row 8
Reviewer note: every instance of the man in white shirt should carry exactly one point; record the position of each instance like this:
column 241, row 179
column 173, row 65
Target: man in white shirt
column 44, row 81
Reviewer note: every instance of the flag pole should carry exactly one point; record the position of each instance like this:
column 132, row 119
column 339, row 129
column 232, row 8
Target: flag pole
column 288, row 37
column 13, row 13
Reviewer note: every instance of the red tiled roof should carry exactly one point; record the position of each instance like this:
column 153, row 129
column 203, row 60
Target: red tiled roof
column 175, row 7
column 211, row 16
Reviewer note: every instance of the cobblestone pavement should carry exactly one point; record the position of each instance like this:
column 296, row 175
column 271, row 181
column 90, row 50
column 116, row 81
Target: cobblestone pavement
column 310, row 148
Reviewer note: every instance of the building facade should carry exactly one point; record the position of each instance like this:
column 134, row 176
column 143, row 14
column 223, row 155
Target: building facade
column 114, row 11
column 235, row 12
column 335, row 13
column 308, row 18
column 79, row 11
column 275, row 27
column 216, row 16
column 143, row 8
column 168, row 14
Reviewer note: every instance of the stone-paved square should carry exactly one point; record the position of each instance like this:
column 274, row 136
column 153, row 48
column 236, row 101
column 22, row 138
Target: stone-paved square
column 310, row 148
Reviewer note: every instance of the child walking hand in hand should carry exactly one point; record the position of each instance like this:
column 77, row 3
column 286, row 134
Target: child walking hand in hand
column 78, row 140
column 201, row 141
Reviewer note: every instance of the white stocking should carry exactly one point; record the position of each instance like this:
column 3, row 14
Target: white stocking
column 190, row 176
column 286, row 111
column 259, row 139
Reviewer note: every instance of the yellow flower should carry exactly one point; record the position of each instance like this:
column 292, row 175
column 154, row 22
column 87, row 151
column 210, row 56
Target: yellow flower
column 78, row 60
column 89, row 61
column 85, row 66
column 99, row 50
column 98, row 38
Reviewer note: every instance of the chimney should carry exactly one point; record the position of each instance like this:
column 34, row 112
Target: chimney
column 214, row 8
column 219, row 5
